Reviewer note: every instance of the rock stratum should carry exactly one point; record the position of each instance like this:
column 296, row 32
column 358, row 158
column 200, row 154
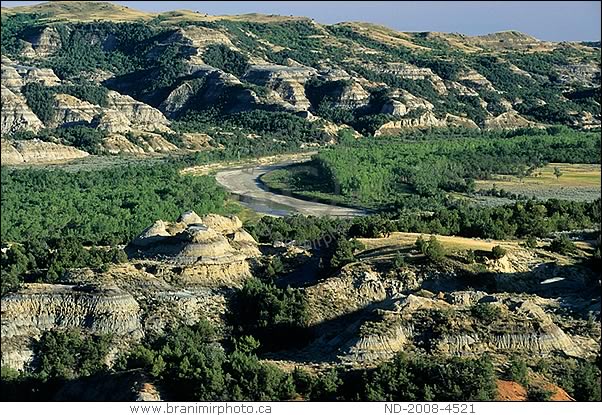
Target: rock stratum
column 385, row 81
column 178, row 273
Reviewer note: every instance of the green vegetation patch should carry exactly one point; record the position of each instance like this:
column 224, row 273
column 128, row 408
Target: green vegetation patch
column 101, row 207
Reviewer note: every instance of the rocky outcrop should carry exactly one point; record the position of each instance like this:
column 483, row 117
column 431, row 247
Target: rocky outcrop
column 36, row 151
column 36, row 308
column 425, row 120
column 46, row 42
column 394, row 108
column 16, row 115
column 510, row 120
column 412, row 102
column 121, row 114
column 412, row 72
column 352, row 289
column 192, row 41
column 351, row 96
column 14, row 76
column 462, row 122
column 45, row 76
column 209, row 251
column 10, row 77
column 118, row 144
column 288, row 82
column 196, row 141
column 476, row 79
column 461, row 90
column 70, row 110
column 579, row 73
column 522, row 325
column 404, row 70
column 153, row 143
column 9, row 154
column 209, row 86
column 137, row 113
column 177, row 99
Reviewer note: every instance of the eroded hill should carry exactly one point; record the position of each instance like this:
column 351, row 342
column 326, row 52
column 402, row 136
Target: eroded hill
column 153, row 82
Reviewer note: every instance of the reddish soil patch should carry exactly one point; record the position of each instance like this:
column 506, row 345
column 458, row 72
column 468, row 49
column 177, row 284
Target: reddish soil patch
column 559, row 393
column 510, row 391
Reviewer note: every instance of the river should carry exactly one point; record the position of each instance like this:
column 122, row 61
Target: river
column 244, row 184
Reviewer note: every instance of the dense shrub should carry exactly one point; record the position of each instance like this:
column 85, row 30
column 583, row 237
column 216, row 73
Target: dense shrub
column 192, row 366
column 485, row 313
column 276, row 317
column 40, row 99
column 222, row 57
column 497, row 252
column 563, row 245
column 69, row 354
column 105, row 207
column 431, row 379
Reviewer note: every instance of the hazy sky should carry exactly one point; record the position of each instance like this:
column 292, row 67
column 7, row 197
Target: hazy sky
column 546, row 20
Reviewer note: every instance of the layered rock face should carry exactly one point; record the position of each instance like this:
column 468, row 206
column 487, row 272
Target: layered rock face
column 510, row 120
column 209, row 251
column 410, row 322
column 36, row 151
column 36, row 308
column 425, row 120
column 443, row 73
column 143, row 143
column 287, row 81
column 352, row 289
column 44, row 43
column 505, row 121
column 208, row 87
column 70, row 110
column 184, row 272
column 16, row 115
column 579, row 73
column 121, row 114
column 137, row 113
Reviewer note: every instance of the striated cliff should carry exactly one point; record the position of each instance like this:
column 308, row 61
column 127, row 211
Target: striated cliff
column 415, row 322
column 180, row 273
column 36, row 151
column 35, row 308
column 16, row 115
column 355, row 287
column 210, row 251
column 455, row 80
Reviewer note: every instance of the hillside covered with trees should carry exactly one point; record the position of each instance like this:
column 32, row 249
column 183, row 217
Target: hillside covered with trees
column 222, row 76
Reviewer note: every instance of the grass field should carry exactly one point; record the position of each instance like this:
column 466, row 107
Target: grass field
column 577, row 182
column 450, row 243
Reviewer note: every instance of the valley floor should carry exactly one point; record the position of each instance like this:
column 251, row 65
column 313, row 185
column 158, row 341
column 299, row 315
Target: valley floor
column 244, row 183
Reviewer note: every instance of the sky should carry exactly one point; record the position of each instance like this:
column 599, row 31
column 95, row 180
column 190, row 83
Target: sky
column 546, row 20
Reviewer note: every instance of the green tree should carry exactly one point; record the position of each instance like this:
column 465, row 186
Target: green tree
column 518, row 370
column 563, row 245
column 276, row 317
column 222, row 57
column 344, row 252
column 557, row 172
column 435, row 251
column 498, row 252
column 485, row 313
column 537, row 393
column 68, row 354
column 421, row 245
